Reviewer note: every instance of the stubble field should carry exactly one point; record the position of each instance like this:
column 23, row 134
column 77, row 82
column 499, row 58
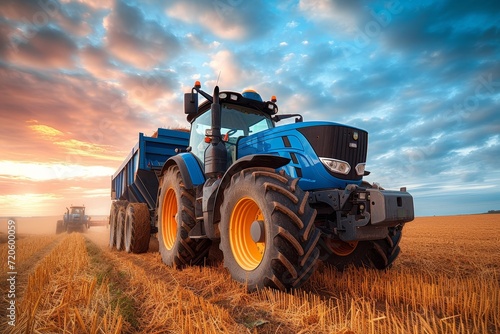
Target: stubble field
column 446, row 280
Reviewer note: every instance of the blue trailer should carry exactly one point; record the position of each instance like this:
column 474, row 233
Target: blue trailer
column 136, row 180
column 135, row 185
column 276, row 200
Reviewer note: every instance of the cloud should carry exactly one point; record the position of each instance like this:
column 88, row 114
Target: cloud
column 199, row 42
column 136, row 40
column 225, row 62
column 342, row 15
column 33, row 12
column 49, row 47
column 148, row 88
column 98, row 62
column 70, row 146
column 96, row 4
column 75, row 18
column 232, row 20
column 5, row 42
column 90, row 115
column 45, row 131
column 449, row 21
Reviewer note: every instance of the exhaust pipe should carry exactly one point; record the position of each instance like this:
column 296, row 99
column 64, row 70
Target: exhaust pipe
column 215, row 154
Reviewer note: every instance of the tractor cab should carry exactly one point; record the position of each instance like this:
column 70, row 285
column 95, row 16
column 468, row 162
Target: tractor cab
column 241, row 115
column 77, row 210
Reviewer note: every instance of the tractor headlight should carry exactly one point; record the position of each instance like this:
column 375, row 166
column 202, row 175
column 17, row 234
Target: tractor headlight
column 360, row 169
column 337, row 166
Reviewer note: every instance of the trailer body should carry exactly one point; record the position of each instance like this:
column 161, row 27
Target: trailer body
column 136, row 180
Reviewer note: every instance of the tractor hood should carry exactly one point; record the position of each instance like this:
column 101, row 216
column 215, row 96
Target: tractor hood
column 323, row 154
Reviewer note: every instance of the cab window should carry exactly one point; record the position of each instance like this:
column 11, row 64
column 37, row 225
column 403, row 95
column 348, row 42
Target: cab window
column 236, row 122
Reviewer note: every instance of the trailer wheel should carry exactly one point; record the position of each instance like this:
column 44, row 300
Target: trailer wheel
column 137, row 229
column 176, row 218
column 377, row 254
column 113, row 213
column 113, row 217
column 120, row 226
column 268, row 236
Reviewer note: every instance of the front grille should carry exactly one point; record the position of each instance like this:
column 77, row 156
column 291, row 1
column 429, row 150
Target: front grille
column 336, row 141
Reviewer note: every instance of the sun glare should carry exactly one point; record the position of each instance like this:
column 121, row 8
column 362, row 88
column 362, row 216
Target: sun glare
column 39, row 204
column 45, row 172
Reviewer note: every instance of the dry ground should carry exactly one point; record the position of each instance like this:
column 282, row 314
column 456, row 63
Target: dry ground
column 446, row 280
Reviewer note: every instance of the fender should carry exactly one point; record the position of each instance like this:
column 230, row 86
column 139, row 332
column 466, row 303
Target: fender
column 191, row 172
column 249, row 161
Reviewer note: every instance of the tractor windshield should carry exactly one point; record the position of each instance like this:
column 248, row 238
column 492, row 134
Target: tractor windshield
column 76, row 211
column 237, row 121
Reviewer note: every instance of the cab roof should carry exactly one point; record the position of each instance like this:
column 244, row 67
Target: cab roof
column 268, row 107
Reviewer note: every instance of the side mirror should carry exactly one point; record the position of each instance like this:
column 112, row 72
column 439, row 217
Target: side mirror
column 191, row 103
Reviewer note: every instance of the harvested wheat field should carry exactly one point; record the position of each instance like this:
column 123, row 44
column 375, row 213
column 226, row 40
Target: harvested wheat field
column 446, row 280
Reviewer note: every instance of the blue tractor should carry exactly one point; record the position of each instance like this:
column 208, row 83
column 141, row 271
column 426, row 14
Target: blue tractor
column 275, row 199
column 74, row 219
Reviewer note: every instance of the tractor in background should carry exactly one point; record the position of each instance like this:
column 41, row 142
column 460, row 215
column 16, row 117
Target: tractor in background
column 74, row 219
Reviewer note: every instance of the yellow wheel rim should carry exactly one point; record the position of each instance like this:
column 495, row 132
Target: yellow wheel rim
column 247, row 253
column 169, row 223
column 341, row 248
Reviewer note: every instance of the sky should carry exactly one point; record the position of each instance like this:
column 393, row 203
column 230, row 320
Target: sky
column 80, row 79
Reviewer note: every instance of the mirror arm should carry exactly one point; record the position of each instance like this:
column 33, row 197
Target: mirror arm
column 278, row 118
column 205, row 95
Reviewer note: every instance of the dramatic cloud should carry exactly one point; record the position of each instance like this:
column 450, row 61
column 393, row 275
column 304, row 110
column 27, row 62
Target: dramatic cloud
column 136, row 40
column 98, row 62
column 235, row 20
column 48, row 48
column 31, row 15
column 149, row 88
column 343, row 15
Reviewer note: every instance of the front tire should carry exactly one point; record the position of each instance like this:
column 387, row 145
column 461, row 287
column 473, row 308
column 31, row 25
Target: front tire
column 267, row 230
column 176, row 217
column 376, row 254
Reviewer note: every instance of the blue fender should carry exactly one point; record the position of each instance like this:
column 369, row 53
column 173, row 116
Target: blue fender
column 190, row 168
column 248, row 161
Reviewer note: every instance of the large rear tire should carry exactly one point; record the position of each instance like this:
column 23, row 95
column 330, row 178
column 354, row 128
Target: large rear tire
column 120, row 228
column 268, row 236
column 376, row 254
column 137, row 228
column 176, row 217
